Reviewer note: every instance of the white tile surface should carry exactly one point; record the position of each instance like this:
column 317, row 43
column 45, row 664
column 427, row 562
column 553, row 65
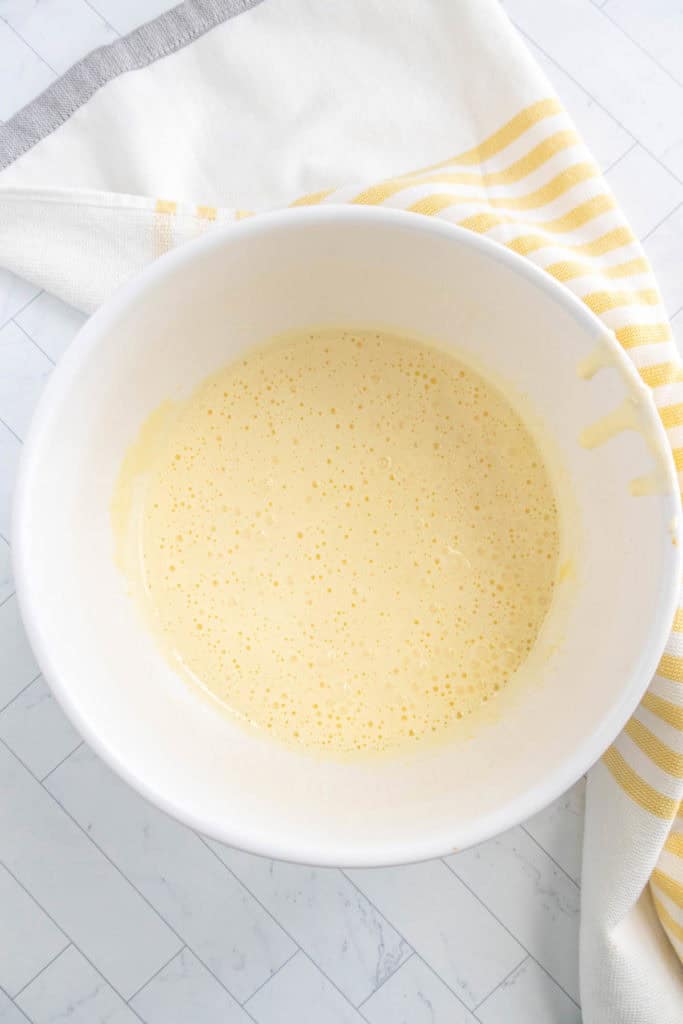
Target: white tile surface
column 646, row 191
column 445, row 924
column 628, row 83
column 70, row 990
column 29, row 940
column 415, row 995
column 328, row 917
column 36, row 729
column 531, row 896
column 24, row 370
column 605, row 137
column 10, row 1012
column 50, row 323
column 22, row 72
column 18, row 666
column 14, row 293
column 664, row 247
column 529, row 996
column 76, row 885
column 184, row 992
column 559, row 829
column 60, row 31
column 125, row 15
column 192, row 890
column 6, row 579
column 657, row 25
column 10, row 446
column 301, row 994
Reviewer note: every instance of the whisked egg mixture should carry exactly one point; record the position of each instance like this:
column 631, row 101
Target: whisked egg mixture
column 348, row 538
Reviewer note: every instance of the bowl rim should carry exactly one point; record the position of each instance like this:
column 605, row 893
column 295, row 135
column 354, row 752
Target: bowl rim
column 292, row 848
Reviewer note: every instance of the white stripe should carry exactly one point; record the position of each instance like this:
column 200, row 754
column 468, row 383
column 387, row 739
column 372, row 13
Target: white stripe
column 667, row 690
column 668, row 394
column 522, row 145
column 671, row 865
column 626, row 316
column 652, row 355
column 662, row 730
column 669, row 904
column 661, row 781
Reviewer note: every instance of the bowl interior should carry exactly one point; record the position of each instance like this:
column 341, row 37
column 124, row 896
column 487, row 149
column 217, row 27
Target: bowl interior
column 191, row 313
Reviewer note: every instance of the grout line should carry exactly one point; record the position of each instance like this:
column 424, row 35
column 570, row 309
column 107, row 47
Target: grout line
column 43, row 968
column 21, row 309
column 4, row 992
column 32, row 340
column 662, row 221
column 618, row 160
column 22, row 690
column 595, row 101
column 124, row 876
column 551, row 858
column 102, row 17
column 9, row 596
column 402, row 936
column 501, row 983
column 48, row 915
column 510, row 933
column 279, row 923
column 59, row 763
column 14, row 434
column 26, row 43
column 620, row 28
column 270, row 977
column 156, row 973
column 393, row 974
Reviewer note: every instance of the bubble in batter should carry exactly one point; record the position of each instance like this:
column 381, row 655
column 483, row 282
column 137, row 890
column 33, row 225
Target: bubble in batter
column 348, row 538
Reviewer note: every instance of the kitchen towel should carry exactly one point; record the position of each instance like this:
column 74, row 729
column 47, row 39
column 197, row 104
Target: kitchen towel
column 220, row 109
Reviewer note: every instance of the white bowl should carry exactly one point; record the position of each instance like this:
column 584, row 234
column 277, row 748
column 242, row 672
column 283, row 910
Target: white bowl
column 191, row 312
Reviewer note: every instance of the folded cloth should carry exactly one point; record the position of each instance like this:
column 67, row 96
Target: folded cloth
column 222, row 108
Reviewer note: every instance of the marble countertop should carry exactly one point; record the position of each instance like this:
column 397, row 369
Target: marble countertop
column 112, row 912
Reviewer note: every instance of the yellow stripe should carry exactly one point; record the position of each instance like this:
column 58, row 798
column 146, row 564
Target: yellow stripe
column 674, row 844
column 678, row 462
column 670, row 666
column 665, row 758
column 580, row 215
column 313, row 198
column 661, row 373
column 520, row 169
column 669, row 922
column 664, row 709
column 643, row 334
column 678, row 618
column 242, row 214
column 507, row 134
column 525, row 244
column 566, row 270
column 501, row 138
column 637, row 789
column 548, row 193
column 166, row 206
column 672, row 888
column 600, row 302
column 482, row 221
column 672, row 415
column 207, row 212
column 627, row 269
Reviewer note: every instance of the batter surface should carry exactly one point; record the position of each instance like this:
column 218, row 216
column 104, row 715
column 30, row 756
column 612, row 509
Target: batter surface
column 348, row 538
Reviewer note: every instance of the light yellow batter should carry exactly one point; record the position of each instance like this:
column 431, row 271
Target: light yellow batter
column 349, row 538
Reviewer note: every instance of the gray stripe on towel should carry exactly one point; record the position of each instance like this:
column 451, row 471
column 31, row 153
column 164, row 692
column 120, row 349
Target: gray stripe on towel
column 158, row 38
